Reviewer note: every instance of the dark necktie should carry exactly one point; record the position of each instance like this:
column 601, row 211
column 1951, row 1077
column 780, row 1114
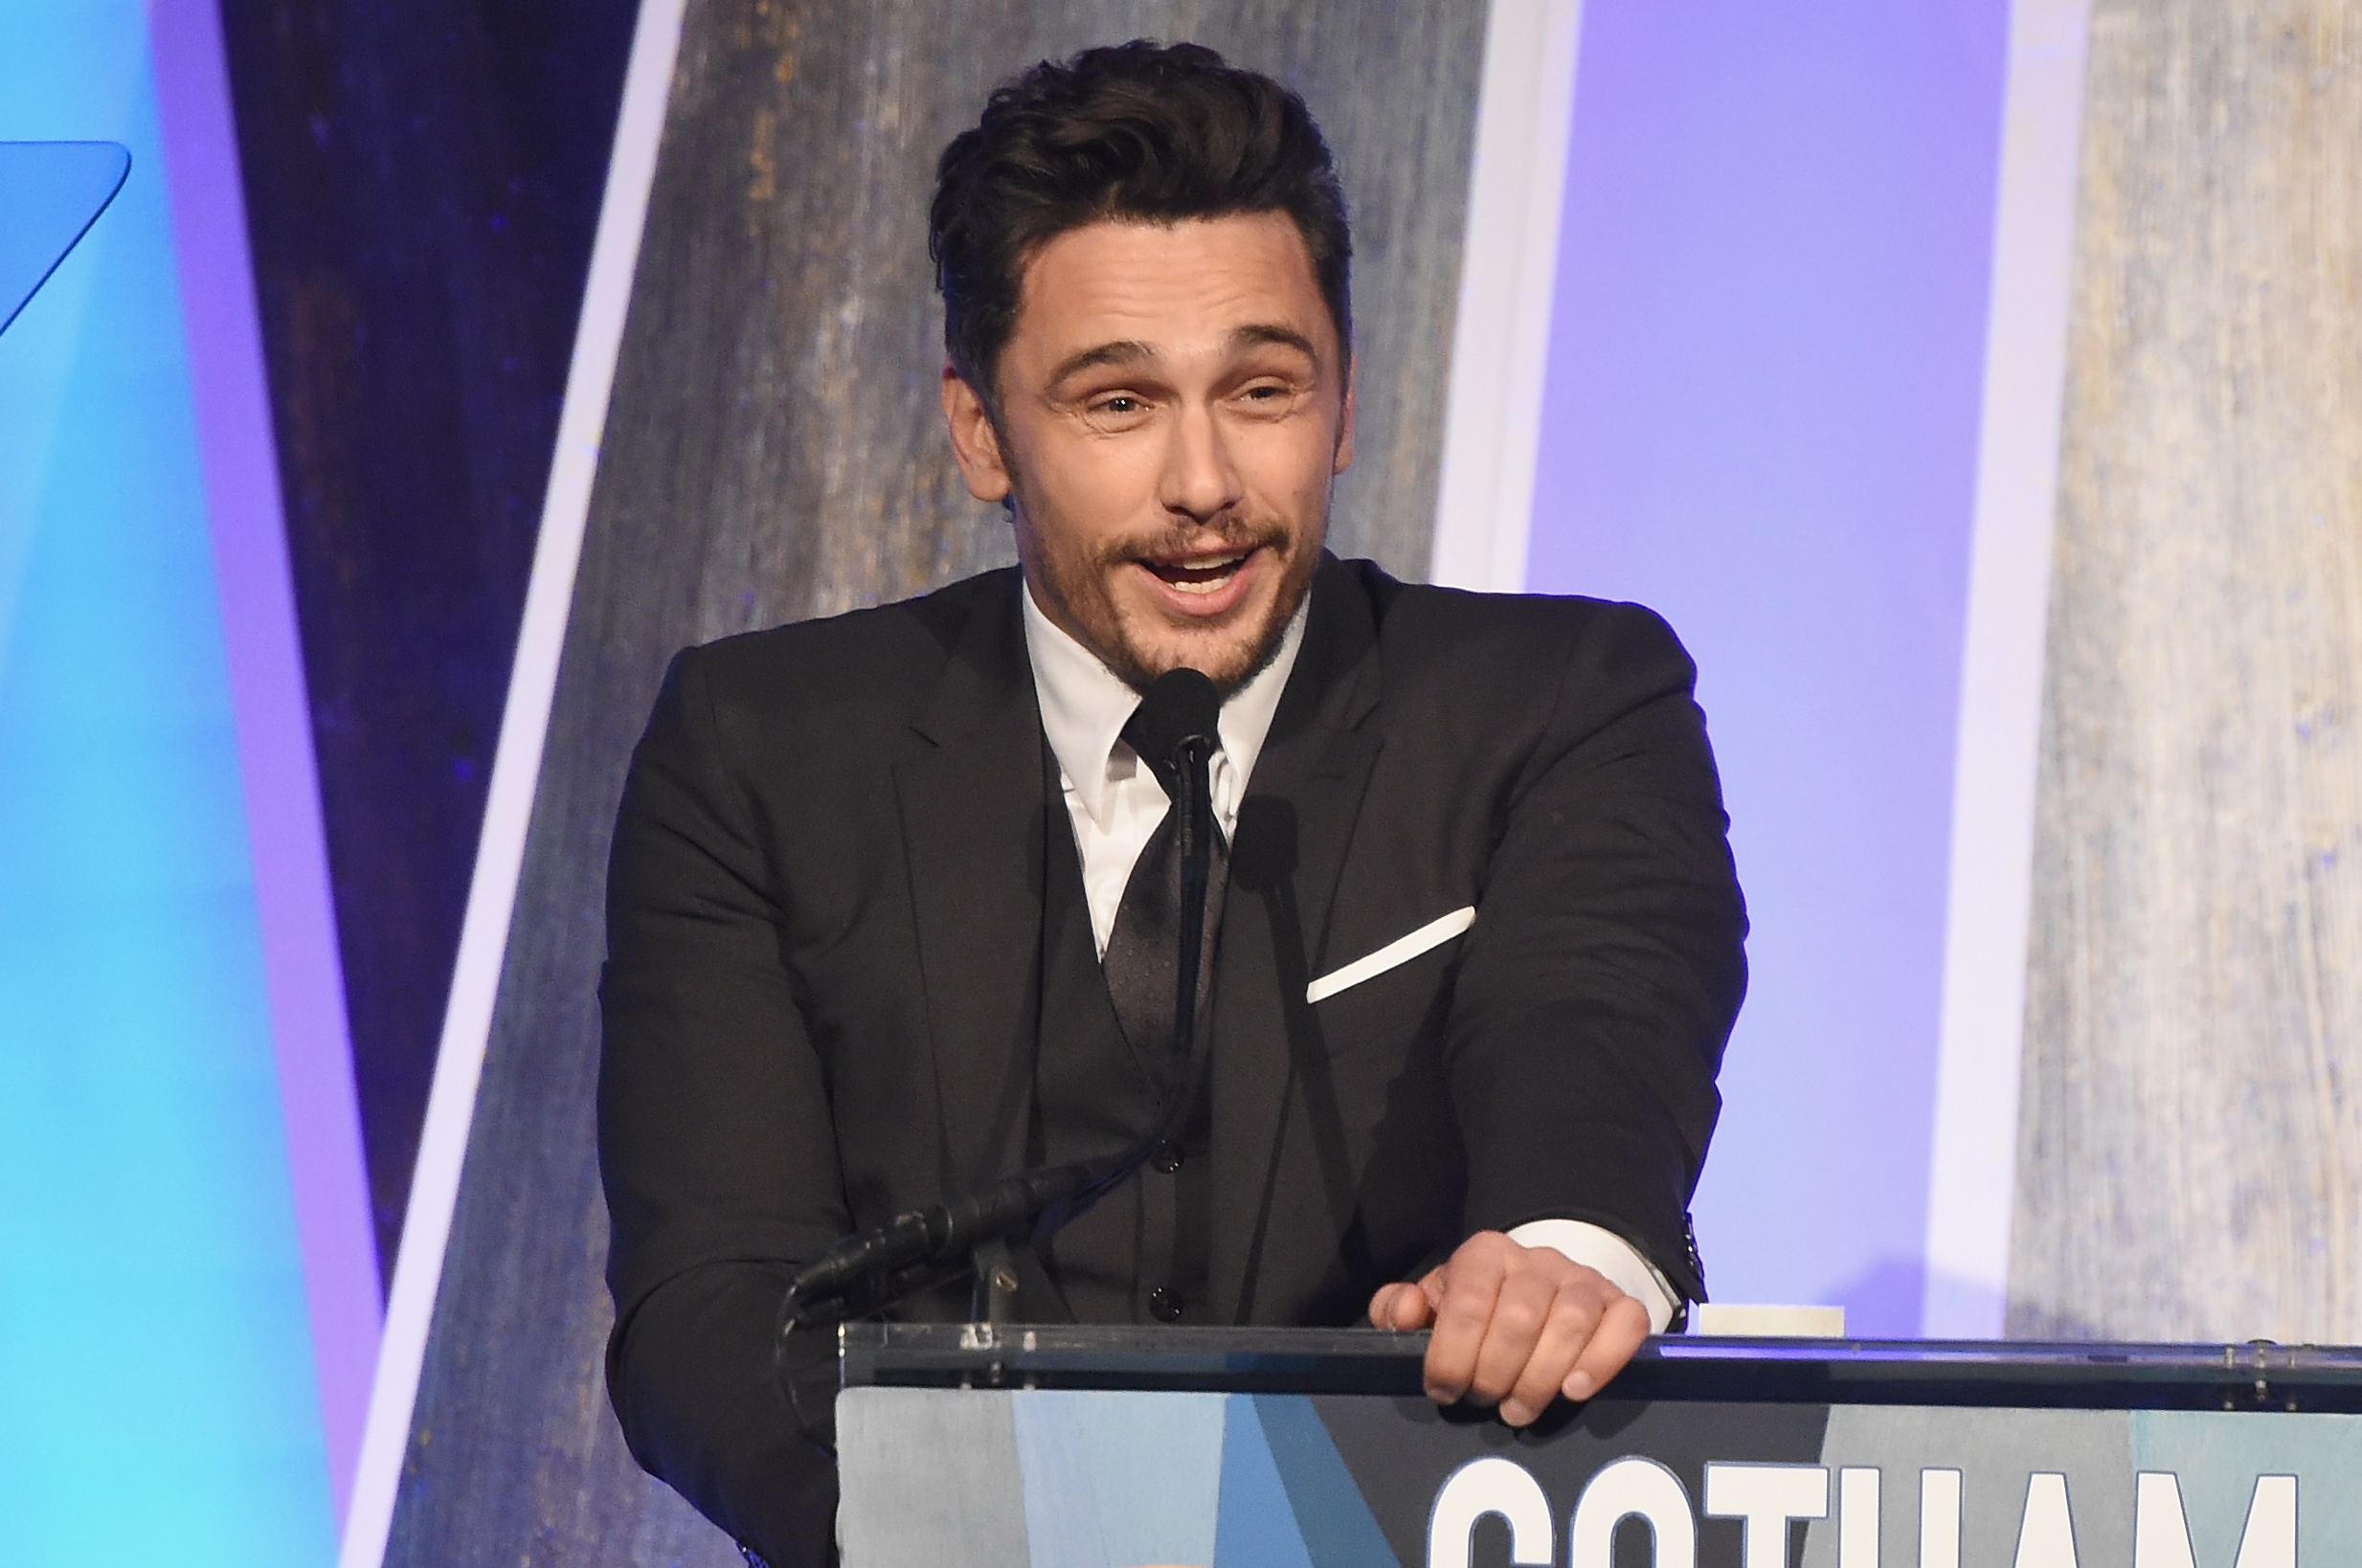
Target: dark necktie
column 1142, row 960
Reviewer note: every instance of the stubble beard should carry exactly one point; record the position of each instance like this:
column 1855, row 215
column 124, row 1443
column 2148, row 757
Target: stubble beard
column 1115, row 634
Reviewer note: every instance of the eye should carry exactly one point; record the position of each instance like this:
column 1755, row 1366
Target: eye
column 1122, row 408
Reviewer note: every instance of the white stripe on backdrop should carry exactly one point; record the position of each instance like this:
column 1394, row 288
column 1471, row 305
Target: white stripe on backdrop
column 1973, row 1166
column 1501, row 347
column 516, row 770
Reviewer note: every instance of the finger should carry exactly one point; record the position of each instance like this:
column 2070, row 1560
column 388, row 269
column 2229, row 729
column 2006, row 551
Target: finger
column 1575, row 1315
column 1402, row 1306
column 1622, row 1327
column 1469, row 1285
column 1520, row 1314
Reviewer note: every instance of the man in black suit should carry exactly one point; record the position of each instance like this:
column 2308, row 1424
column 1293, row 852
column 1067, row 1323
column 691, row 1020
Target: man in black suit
column 879, row 882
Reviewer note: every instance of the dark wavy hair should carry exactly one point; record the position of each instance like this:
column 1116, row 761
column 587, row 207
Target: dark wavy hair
column 1139, row 131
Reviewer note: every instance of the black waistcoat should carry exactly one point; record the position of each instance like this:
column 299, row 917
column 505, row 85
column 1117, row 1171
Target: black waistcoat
column 1094, row 1097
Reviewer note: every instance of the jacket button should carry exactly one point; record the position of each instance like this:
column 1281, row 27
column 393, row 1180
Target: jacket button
column 1167, row 1159
column 1166, row 1303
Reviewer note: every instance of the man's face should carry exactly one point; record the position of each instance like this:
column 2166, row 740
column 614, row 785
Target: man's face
column 1173, row 406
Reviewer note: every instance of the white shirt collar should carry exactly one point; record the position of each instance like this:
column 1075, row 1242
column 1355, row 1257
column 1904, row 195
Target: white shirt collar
column 1085, row 706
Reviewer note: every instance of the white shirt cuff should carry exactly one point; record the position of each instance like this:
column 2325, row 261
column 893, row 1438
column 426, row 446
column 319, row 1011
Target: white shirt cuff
column 1595, row 1248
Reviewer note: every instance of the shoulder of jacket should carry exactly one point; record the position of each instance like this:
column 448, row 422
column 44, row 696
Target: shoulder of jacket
column 1412, row 615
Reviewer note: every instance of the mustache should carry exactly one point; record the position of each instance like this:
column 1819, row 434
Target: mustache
column 1216, row 536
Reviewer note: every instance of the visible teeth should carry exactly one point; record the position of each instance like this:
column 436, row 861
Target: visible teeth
column 1198, row 573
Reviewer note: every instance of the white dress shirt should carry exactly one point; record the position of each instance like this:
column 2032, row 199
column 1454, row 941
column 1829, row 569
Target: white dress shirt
column 1116, row 805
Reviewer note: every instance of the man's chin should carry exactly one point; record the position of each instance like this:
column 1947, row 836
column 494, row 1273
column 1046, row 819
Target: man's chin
column 1228, row 655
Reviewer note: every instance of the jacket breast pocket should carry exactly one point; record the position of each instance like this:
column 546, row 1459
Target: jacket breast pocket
column 1403, row 950
column 1383, row 998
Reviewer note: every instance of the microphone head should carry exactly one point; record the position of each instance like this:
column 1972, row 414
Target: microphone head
column 1180, row 705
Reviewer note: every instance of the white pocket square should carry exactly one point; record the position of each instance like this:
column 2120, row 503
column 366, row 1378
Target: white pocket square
column 1401, row 950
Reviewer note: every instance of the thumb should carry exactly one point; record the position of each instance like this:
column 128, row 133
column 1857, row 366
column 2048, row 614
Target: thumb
column 1400, row 1306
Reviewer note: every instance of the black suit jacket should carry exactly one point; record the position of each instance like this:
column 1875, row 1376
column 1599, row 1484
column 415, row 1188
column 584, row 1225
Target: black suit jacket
column 825, row 922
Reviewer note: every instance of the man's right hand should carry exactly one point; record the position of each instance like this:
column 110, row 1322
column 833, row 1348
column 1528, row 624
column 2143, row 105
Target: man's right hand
column 1515, row 1326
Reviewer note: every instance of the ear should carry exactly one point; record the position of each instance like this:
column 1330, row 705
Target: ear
column 973, row 440
column 1345, row 426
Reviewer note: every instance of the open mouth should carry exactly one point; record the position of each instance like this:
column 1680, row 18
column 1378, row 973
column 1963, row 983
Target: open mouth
column 1206, row 573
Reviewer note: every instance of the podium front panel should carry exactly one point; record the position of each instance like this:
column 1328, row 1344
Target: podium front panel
column 2135, row 1461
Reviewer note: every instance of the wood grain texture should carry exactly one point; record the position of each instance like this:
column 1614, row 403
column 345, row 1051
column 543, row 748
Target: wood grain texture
column 2191, row 1140
column 774, row 452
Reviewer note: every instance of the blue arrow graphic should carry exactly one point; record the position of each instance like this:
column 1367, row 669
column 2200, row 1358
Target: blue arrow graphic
column 51, row 192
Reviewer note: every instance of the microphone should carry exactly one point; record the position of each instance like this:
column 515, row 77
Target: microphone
column 934, row 1234
column 1176, row 732
column 1180, row 706
column 870, row 1271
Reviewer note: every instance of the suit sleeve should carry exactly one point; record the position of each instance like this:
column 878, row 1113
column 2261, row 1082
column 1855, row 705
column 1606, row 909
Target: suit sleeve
column 715, row 1140
column 1607, row 963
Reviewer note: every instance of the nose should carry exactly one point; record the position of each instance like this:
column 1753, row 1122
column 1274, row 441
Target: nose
column 1200, row 481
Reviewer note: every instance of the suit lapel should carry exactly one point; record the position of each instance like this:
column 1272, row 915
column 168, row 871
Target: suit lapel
column 973, row 816
column 1295, row 826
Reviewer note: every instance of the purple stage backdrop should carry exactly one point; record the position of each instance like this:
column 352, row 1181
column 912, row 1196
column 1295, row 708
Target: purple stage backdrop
column 1761, row 418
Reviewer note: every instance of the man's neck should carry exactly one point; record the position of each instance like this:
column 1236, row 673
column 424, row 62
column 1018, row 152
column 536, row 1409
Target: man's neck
column 1084, row 702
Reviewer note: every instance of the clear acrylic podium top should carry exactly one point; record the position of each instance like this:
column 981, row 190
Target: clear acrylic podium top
column 1990, row 1372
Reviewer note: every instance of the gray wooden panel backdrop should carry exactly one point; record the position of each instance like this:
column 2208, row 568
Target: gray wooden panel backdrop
column 2191, row 1140
column 774, row 451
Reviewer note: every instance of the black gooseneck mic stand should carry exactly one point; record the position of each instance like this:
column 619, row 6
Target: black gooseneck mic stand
column 870, row 1271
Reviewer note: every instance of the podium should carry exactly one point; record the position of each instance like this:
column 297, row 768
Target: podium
column 1074, row 1447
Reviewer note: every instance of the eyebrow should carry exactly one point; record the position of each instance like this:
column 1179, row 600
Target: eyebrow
column 1285, row 337
column 1131, row 350
column 1122, row 351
